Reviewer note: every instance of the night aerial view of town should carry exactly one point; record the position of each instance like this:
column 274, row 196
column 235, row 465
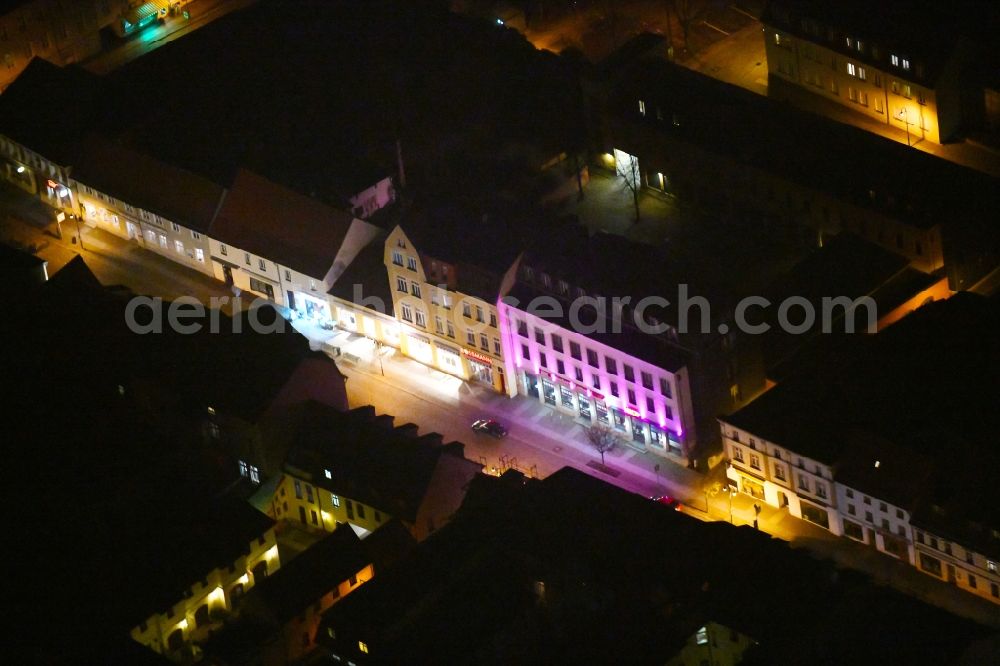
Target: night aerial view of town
column 480, row 332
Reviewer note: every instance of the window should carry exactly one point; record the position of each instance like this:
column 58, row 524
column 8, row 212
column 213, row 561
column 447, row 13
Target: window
column 421, row 319
column 664, row 388
column 614, row 388
column 867, row 500
column 176, row 227
column 882, row 507
column 525, row 353
column 991, row 566
column 596, row 380
column 199, row 254
column 629, row 373
column 363, row 647
column 438, row 325
column 821, row 490
column 779, row 472
column 467, row 310
column 479, row 314
column 298, row 489
column 543, row 359
column 451, row 329
column 578, row 373
column 560, row 367
column 851, row 510
column 851, row 69
column 574, row 350
column 539, row 336
column 737, row 454
column 803, row 482
column 611, row 365
column 397, row 257
column 906, row 64
column 631, row 397
column 415, row 289
column 868, row 516
column 493, row 320
column 411, row 263
column 288, row 275
column 754, row 461
column 470, row 336
column 446, row 300
column 484, row 341
column 642, row 107
column 195, row 235
column 401, row 284
column 406, row 312
column 179, row 246
column 246, row 258
column 592, row 359
column 894, row 59
column 557, row 343
column 496, row 347
column 862, row 74
column 650, row 406
column 972, row 581
column 849, row 493
column 522, row 329
column 361, row 510
column 647, row 380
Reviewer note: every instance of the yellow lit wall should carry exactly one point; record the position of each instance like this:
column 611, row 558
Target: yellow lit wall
column 216, row 593
column 317, row 508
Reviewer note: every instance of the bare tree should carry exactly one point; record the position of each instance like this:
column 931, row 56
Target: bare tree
column 602, row 438
column 628, row 169
column 687, row 12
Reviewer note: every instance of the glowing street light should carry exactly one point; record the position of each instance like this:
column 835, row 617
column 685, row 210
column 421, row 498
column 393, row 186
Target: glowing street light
column 21, row 169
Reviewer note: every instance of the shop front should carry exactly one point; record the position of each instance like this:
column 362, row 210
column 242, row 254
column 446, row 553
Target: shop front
column 449, row 359
column 308, row 306
column 480, row 367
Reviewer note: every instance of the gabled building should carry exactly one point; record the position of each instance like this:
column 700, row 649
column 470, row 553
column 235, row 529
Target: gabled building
column 444, row 296
column 355, row 468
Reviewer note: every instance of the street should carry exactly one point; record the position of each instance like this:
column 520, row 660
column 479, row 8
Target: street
column 202, row 12
column 540, row 440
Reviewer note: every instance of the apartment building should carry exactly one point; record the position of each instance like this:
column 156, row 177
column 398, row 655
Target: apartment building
column 731, row 153
column 902, row 65
column 841, row 445
column 60, row 32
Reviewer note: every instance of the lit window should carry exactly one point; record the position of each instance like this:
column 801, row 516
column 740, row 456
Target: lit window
column 411, row 263
column 327, row 473
column 406, row 312
column 397, row 258
column 421, row 319
column 179, row 246
column 851, row 69
column 642, row 107
column 363, row 647
column 335, row 500
column 702, row 636
column 262, row 264
column 199, row 254
column 894, row 59
column 906, row 64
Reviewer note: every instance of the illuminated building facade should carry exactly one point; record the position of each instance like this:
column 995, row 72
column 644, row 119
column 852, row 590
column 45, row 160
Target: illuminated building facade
column 447, row 311
column 907, row 76
column 189, row 619
column 61, row 33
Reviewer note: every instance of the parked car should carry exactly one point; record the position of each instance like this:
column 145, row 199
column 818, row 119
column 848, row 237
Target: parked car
column 490, row 427
column 672, row 502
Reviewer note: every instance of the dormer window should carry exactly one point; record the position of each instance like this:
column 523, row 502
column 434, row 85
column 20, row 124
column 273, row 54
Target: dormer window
column 642, row 107
column 894, row 59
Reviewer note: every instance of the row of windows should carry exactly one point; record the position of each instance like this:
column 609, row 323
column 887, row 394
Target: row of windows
column 397, row 259
column 612, row 386
column 593, row 359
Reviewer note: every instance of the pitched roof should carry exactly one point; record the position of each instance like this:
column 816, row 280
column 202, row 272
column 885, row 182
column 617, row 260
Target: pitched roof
column 368, row 460
column 368, row 273
column 271, row 221
column 47, row 108
column 178, row 195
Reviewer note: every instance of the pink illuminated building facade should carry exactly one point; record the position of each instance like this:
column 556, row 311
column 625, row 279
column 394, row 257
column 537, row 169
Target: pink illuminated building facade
column 632, row 382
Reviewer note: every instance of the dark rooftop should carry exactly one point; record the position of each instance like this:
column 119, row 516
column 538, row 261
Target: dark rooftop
column 272, row 221
column 534, row 573
column 368, row 271
column 369, row 461
column 178, row 195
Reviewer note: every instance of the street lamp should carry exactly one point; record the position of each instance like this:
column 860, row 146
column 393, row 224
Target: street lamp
column 79, row 234
column 732, row 491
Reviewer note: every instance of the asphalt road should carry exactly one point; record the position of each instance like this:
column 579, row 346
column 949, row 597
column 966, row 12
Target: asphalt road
column 202, row 13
